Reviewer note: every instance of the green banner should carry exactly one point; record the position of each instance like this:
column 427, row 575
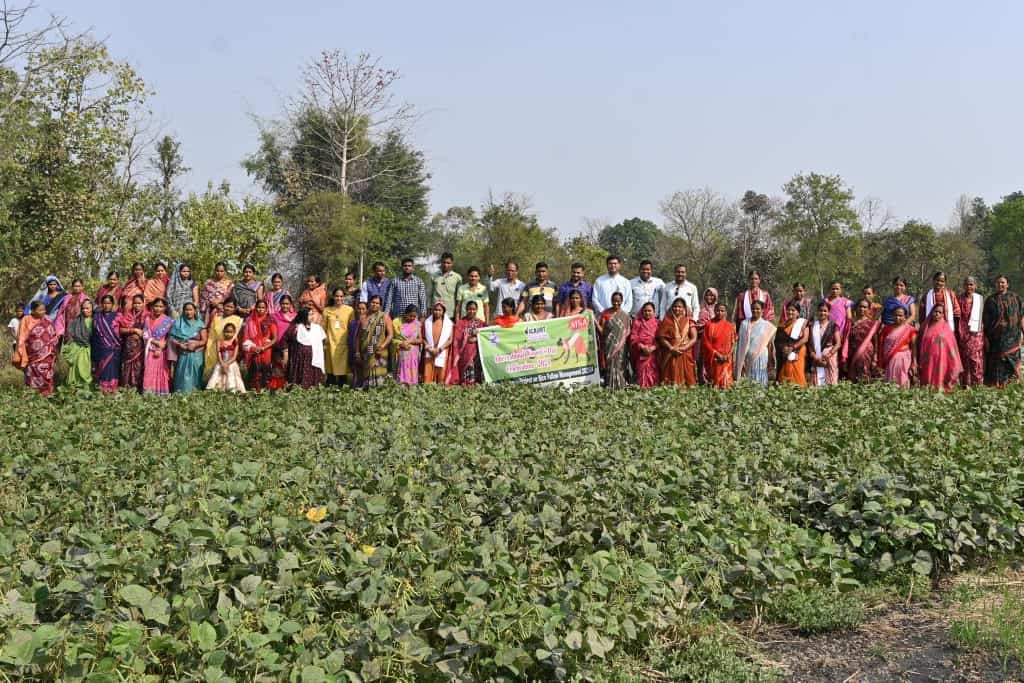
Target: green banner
column 559, row 351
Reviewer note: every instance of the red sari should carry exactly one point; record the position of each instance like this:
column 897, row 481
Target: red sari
column 862, row 349
column 895, row 353
column 972, row 344
column 464, row 367
column 939, row 358
column 258, row 331
column 156, row 288
column 719, row 338
column 40, row 352
column 128, row 292
column 645, row 365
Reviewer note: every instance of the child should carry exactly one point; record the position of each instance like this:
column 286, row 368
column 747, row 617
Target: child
column 226, row 375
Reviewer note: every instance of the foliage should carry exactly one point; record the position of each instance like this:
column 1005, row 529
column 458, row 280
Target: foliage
column 1007, row 236
column 632, row 240
column 817, row 610
column 698, row 223
column 144, row 536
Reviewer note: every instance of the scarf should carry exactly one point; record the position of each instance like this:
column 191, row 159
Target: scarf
column 798, row 329
column 707, row 310
column 746, row 302
column 81, row 330
column 53, row 303
column 929, row 303
column 974, row 323
column 446, row 334
column 179, row 290
column 816, row 338
column 313, row 337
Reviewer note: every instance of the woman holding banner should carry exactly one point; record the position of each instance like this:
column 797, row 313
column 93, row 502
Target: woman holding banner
column 464, row 367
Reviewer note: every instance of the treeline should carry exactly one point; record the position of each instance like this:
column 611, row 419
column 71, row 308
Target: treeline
column 88, row 183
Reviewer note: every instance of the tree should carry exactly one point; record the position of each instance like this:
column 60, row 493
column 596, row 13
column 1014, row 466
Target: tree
column 701, row 221
column 510, row 230
column 822, row 230
column 1007, row 237
column 169, row 165
column 913, row 252
column 632, row 240
column 342, row 232
column 588, row 251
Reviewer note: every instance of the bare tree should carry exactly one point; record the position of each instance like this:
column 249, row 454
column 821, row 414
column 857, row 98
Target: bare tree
column 22, row 44
column 751, row 234
column 355, row 109
column 702, row 219
column 875, row 215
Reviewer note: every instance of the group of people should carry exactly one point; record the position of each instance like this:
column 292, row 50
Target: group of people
column 164, row 332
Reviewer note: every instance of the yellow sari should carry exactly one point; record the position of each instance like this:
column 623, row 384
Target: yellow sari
column 215, row 337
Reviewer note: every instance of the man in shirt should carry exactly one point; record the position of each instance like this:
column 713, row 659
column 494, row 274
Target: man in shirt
column 508, row 287
column 647, row 288
column 408, row 290
column 541, row 285
column 446, row 284
column 608, row 284
column 473, row 290
column 576, row 283
column 378, row 285
column 680, row 288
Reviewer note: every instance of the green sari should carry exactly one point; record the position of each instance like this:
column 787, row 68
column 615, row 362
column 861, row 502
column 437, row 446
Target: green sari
column 1001, row 323
column 78, row 353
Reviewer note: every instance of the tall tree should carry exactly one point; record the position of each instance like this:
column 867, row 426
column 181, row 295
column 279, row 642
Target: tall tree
column 820, row 230
column 1007, row 237
column 632, row 240
column 169, row 165
column 700, row 220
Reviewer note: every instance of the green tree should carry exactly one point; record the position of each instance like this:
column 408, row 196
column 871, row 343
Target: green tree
column 819, row 224
column 588, row 251
column 508, row 229
column 170, row 166
column 632, row 240
column 1007, row 237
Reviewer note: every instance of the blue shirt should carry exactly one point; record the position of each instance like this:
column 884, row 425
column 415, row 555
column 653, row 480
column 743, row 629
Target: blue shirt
column 583, row 287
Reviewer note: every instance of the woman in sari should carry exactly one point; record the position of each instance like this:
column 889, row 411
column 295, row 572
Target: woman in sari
column 260, row 333
column 71, row 307
column 132, row 346
column 1003, row 318
column 156, row 376
column 614, row 329
column 575, row 304
column 351, row 290
column 897, row 350
column 37, row 348
column 181, row 290
column 355, row 380
column 136, row 286
column 718, row 348
column 112, row 287
column 156, row 286
column 899, row 299
column 437, row 339
column 279, row 353
column 874, row 308
column 247, row 291
column 337, row 318
column 804, row 303
column 314, row 297
column 407, row 341
column 706, row 315
column 755, row 353
column 375, row 333
column 106, row 345
column 276, row 292
column 938, row 358
column 464, row 368
column 970, row 335
column 860, row 365
column 77, row 348
column 676, row 337
column 643, row 346
column 305, row 351
column 791, row 347
column 215, row 292
column 747, row 298
column 188, row 338
column 826, row 346
column 537, row 311
column 939, row 294
column 53, row 297
column 841, row 313
column 223, row 314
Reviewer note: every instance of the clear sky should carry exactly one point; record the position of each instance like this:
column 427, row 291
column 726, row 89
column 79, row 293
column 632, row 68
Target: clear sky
column 601, row 109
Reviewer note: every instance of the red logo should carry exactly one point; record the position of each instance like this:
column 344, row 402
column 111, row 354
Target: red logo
column 578, row 323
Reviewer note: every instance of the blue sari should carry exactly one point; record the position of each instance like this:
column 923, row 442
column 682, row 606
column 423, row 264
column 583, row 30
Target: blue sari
column 105, row 344
column 188, row 372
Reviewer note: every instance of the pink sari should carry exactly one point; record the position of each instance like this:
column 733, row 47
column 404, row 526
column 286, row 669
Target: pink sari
column 939, row 359
column 895, row 355
column 408, row 371
column 156, row 375
column 972, row 344
column 837, row 314
column 41, row 352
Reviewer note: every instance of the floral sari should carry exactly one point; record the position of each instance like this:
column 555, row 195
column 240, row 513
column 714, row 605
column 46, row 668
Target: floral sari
column 41, row 352
column 939, row 358
column 214, row 292
column 106, row 349
column 279, row 353
column 188, row 371
column 896, row 353
column 464, row 367
column 407, row 370
column 1002, row 330
column 862, row 349
column 791, row 371
column 156, row 376
column 372, row 332
column 132, row 351
column 615, row 349
column 677, row 369
column 645, row 365
column 719, row 338
column 970, row 336
column 752, row 354
column 78, row 353
column 258, row 362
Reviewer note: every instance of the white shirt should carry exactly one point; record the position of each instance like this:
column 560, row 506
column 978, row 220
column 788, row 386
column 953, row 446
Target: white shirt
column 13, row 327
column 506, row 289
column 605, row 286
column 644, row 291
column 686, row 291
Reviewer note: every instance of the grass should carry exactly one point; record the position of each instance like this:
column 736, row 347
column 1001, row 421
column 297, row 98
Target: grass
column 991, row 618
column 818, row 610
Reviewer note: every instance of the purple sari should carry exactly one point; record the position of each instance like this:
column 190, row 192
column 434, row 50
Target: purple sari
column 105, row 344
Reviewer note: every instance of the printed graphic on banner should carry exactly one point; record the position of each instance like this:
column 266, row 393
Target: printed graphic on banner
column 556, row 351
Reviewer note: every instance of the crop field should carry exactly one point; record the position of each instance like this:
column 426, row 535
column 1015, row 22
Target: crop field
column 497, row 533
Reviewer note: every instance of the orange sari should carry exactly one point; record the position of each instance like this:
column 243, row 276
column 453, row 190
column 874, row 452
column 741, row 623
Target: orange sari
column 719, row 338
column 790, row 371
column 676, row 369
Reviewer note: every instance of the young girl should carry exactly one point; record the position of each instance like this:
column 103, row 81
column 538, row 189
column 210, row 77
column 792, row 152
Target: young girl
column 226, row 375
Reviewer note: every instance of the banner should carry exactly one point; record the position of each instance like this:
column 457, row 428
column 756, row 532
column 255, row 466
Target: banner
column 558, row 351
